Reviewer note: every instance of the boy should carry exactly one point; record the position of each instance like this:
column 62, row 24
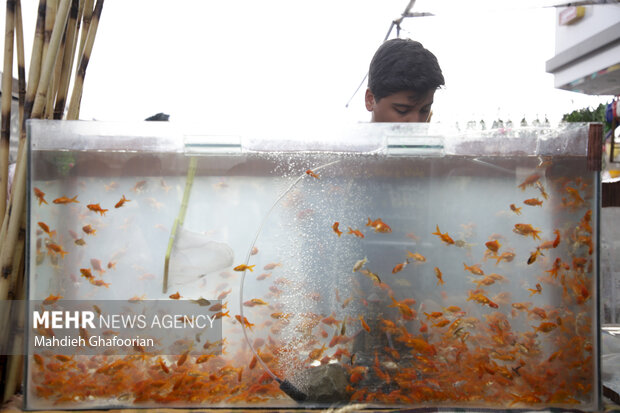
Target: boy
column 402, row 81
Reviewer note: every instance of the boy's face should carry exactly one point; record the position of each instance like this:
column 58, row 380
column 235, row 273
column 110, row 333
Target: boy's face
column 404, row 106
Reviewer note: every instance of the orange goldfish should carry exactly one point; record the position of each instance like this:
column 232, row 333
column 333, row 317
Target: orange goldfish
column 111, row 264
column 399, row 267
column 263, row 276
column 557, row 264
column 434, row 314
column 355, row 232
column 204, row 358
column 416, row 256
column 371, row 275
column 139, row 186
column 538, row 290
column 525, row 230
column 545, row 327
column 507, row 256
column 379, row 225
column 40, row 195
column 521, row 306
column 99, row 283
column 534, row 255
column 96, row 208
column 56, row 248
column 254, row 251
column 244, row 267
column 575, row 194
column 556, row 241
column 244, row 321
column 444, row 237
column 46, row 229
column 218, row 307
column 530, row 180
column 474, row 269
column 175, row 296
column 224, row 294
column 405, row 311
column 493, row 245
column 51, row 299
column 254, row 301
column 533, row 202
column 335, row 228
column 86, row 273
column 441, row 323
column 438, row 274
column 89, row 230
column 364, row 325
column 65, row 200
column 516, row 210
column 122, row 202
column 312, row 174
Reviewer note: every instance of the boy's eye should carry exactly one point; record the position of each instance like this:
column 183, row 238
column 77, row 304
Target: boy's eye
column 401, row 111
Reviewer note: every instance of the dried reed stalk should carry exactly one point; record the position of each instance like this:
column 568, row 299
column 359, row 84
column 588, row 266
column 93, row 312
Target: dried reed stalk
column 68, row 57
column 7, row 97
column 87, row 17
column 50, row 18
column 76, row 94
column 21, row 59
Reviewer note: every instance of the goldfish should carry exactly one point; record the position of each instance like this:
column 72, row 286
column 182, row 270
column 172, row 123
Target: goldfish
column 364, row 325
column 474, row 269
column 110, row 187
column 254, row 301
column 88, row 229
column 218, row 307
column 183, row 358
column 379, row 225
column 254, row 250
column 271, row 266
column 244, row 267
column 371, row 275
column 244, row 321
column 312, row 174
column 355, row 232
column 99, row 283
column 203, row 302
column 136, row 298
column 40, row 195
column 507, row 256
column 204, row 358
column 444, row 237
column 359, row 264
column 545, row 327
column 139, row 186
column 121, row 202
column 538, row 290
column 556, row 241
column 525, row 230
column 80, row 242
column 433, row 315
column 86, row 273
column 530, row 180
column 438, row 274
column 280, row 316
column 441, row 323
column 175, row 296
column 533, row 202
column 96, row 264
column 317, row 353
column 514, row 208
column 541, row 188
column 416, row 256
column 51, row 299
column 453, row 309
column 65, row 200
column 46, row 229
column 404, row 309
column 533, row 256
column 335, row 228
column 575, row 194
column 263, row 276
column 399, row 267
column 96, row 208
column 493, row 245
column 521, row 306
column 56, row 248
column 224, row 294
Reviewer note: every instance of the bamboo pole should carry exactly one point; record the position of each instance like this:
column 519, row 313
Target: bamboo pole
column 76, row 94
column 34, row 72
column 7, row 95
column 50, row 18
column 68, row 57
column 88, row 16
column 21, row 59
column 15, row 361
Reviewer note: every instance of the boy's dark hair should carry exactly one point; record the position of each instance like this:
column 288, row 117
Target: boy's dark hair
column 403, row 64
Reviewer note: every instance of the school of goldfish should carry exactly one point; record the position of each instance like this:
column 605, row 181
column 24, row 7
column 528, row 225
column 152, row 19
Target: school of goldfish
column 482, row 349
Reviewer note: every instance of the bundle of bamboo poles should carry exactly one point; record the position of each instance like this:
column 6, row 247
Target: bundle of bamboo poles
column 59, row 25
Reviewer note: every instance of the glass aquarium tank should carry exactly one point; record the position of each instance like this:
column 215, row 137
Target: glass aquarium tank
column 387, row 265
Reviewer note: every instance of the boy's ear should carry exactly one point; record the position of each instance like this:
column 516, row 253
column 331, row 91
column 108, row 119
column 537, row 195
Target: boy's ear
column 370, row 100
